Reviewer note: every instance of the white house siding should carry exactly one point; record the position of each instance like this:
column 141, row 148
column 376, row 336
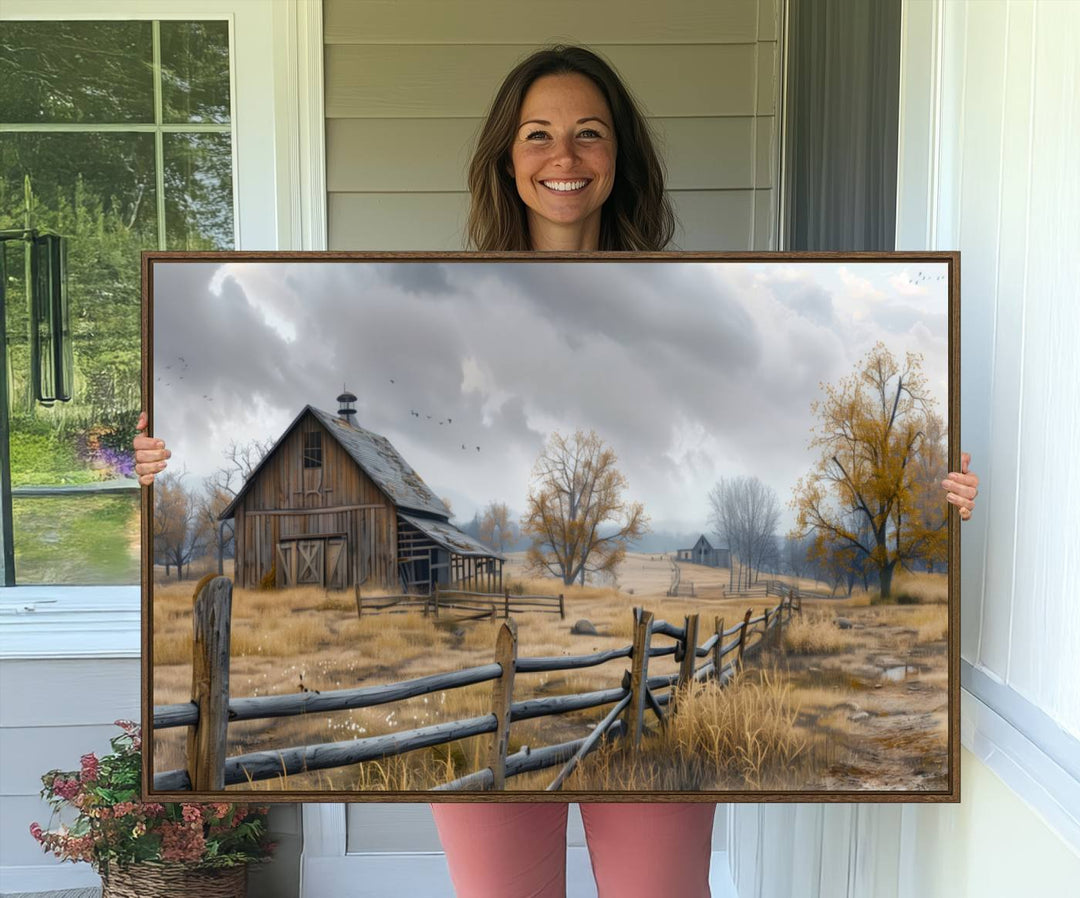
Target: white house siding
column 69, row 667
column 408, row 82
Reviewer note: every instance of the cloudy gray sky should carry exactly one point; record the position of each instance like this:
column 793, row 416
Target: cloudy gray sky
column 691, row 371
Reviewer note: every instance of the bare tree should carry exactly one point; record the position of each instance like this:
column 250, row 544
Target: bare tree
column 745, row 513
column 179, row 531
column 221, row 487
column 577, row 490
column 496, row 528
column 241, row 460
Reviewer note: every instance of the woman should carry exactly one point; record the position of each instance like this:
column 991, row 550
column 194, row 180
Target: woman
column 565, row 162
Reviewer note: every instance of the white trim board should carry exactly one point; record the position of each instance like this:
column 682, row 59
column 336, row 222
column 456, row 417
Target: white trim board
column 1046, row 787
column 43, row 622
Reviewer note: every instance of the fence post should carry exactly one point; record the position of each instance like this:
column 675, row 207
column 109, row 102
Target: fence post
column 206, row 741
column 562, row 608
column 639, row 675
column 742, row 633
column 718, row 649
column 689, row 655
column 766, row 636
column 501, row 695
column 359, row 602
column 506, row 604
column 435, row 601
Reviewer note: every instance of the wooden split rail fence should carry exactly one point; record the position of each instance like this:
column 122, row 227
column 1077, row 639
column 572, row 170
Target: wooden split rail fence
column 211, row 709
column 474, row 604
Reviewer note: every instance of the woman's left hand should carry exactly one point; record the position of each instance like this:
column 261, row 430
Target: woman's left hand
column 962, row 487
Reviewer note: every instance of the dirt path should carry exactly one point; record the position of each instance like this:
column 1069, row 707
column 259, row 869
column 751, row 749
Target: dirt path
column 881, row 708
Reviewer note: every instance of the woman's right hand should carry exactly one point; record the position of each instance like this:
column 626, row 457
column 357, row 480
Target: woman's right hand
column 150, row 453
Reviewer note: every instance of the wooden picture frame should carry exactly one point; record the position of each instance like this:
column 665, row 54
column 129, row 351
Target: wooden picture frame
column 692, row 389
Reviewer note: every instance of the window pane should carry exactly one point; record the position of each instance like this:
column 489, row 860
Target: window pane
column 84, row 540
column 76, row 72
column 198, row 191
column 98, row 191
column 195, row 72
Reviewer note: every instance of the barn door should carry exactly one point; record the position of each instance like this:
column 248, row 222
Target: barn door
column 337, row 568
column 309, row 562
column 286, row 564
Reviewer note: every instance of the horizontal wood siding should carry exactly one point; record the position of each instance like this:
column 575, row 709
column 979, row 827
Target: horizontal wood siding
column 408, row 83
column 517, row 22
column 367, row 520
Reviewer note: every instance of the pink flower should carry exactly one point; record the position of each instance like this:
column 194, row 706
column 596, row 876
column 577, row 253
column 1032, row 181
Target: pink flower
column 181, row 842
column 65, row 788
column 89, row 767
column 37, row 832
column 192, row 813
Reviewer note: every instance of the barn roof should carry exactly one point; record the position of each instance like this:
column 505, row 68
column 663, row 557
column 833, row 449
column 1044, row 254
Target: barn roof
column 449, row 537
column 375, row 454
column 382, row 463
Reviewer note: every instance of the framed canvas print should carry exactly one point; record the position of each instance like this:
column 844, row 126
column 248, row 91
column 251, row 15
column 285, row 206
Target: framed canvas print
column 585, row 527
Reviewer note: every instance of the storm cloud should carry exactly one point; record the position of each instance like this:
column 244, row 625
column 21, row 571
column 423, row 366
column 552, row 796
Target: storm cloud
column 690, row 370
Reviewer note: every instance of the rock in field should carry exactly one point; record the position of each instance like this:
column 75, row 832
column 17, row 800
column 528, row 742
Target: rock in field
column 584, row 628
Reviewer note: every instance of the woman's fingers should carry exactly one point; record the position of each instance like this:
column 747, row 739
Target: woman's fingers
column 150, row 453
column 961, row 487
column 964, row 485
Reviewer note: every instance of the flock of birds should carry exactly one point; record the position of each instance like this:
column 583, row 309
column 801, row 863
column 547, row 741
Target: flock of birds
column 180, row 364
column 424, row 416
column 923, row 277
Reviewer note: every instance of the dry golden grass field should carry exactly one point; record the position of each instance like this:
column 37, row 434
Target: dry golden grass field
column 864, row 707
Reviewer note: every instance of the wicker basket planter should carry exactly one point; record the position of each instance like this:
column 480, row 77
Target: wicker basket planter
column 148, row 880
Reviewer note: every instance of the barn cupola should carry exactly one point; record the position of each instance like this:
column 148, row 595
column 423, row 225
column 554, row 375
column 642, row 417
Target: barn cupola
column 346, row 410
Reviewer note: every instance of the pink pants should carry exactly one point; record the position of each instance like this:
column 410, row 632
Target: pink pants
column 519, row 850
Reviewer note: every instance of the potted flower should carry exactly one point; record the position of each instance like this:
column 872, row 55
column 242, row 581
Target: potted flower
column 147, row 848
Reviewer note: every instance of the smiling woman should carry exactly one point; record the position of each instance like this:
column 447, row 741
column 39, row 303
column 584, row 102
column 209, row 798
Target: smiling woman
column 563, row 161
column 560, row 118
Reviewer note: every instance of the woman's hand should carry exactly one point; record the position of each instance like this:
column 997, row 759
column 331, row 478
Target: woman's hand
column 150, row 454
column 962, row 488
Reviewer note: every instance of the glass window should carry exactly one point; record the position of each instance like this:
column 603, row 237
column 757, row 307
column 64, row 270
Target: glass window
column 117, row 136
column 313, row 449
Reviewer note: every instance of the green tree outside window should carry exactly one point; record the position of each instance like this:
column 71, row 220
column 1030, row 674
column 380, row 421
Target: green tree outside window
column 118, row 136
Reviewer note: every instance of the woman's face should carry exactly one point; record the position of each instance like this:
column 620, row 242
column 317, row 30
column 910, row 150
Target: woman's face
column 563, row 160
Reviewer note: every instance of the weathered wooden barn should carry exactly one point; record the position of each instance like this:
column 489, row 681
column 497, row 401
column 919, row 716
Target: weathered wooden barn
column 702, row 552
column 334, row 505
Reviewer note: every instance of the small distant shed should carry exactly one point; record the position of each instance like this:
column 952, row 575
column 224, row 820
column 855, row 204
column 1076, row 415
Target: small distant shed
column 702, row 552
column 335, row 505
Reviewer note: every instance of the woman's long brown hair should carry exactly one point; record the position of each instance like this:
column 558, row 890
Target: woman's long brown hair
column 637, row 215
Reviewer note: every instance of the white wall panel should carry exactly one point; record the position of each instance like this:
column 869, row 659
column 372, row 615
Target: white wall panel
column 1046, row 618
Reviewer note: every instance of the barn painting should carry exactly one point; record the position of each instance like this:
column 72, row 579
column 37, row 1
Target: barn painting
column 334, row 505
column 702, row 552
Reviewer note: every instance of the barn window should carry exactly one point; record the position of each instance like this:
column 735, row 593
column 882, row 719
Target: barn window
column 313, row 449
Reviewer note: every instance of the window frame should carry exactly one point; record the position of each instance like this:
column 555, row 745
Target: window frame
column 279, row 203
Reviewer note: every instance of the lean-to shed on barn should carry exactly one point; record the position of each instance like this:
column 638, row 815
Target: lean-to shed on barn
column 335, row 505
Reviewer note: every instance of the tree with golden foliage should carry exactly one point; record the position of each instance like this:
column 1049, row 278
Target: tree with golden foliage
column 872, row 492
column 496, row 528
column 577, row 490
